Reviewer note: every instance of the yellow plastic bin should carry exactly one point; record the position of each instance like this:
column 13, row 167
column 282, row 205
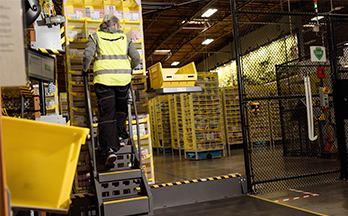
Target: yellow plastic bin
column 40, row 162
column 185, row 76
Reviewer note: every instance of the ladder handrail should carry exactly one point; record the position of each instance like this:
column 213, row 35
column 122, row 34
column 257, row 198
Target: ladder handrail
column 89, row 121
column 137, row 123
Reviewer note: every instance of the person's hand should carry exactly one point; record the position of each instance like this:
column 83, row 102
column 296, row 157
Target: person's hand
column 84, row 70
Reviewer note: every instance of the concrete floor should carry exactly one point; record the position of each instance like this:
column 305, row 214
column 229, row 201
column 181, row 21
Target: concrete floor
column 332, row 198
column 170, row 167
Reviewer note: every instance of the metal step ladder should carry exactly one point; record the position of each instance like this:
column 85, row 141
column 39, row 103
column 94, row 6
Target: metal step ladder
column 122, row 190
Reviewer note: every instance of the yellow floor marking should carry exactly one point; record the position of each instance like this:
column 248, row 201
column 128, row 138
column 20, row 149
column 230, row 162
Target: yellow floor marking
column 301, row 209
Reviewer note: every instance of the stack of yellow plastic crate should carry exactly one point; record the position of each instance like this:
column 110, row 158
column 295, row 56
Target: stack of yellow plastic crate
column 162, row 126
column 83, row 18
column 258, row 121
column 233, row 124
column 145, row 143
column 176, row 122
column 203, row 119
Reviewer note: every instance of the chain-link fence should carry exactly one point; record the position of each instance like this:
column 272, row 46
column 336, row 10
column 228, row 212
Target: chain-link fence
column 289, row 97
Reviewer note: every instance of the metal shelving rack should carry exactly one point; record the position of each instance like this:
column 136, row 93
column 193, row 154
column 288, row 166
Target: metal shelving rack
column 259, row 122
column 162, row 125
column 176, row 123
column 203, row 119
column 232, row 119
column 146, row 145
column 83, row 18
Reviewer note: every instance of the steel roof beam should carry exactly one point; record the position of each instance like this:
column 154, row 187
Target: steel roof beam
column 174, row 6
column 180, row 27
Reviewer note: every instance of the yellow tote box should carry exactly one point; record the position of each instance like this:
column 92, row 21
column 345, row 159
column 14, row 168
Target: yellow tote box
column 40, row 162
column 185, row 76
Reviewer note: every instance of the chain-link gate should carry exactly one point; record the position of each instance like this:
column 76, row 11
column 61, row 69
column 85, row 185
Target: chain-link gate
column 288, row 99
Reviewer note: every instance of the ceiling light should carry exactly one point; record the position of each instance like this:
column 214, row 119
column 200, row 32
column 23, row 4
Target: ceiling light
column 308, row 25
column 207, row 41
column 317, row 18
column 346, row 44
column 161, row 52
column 209, row 12
column 175, row 63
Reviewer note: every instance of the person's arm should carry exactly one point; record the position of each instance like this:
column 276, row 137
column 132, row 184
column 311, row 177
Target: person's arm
column 133, row 54
column 88, row 54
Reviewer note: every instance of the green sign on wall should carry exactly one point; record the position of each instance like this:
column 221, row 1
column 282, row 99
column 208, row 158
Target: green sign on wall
column 318, row 54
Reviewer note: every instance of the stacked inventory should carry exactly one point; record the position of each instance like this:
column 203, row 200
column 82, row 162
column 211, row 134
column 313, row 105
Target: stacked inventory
column 51, row 99
column 176, row 125
column 162, row 125
column 83, row 18
column 274, row 115
column 18, row 102
column 258, row 121
column 203, row 119
column 140, row 86
column 152, row 122
column 145, row 143
column 233, row 124
column 63, row 103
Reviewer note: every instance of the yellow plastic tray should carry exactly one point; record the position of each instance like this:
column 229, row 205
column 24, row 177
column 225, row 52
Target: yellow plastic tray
column 40, row 162
column 185, row 76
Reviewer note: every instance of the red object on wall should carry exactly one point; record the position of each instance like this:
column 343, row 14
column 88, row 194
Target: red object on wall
column 321, row 72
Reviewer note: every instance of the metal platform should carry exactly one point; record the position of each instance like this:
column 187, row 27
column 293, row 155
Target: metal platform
column 179, row 90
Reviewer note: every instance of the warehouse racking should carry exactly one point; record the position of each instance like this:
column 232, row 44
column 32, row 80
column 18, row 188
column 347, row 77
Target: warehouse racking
column 162, row 123
column 83, row 18
column 146, row 145
column 232, row 119
column 176, row 123
column 258, row 121
column 63, row 103
column 203, row 119
column 51, row 99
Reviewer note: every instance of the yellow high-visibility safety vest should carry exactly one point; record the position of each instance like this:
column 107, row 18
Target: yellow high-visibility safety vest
column 111, row 65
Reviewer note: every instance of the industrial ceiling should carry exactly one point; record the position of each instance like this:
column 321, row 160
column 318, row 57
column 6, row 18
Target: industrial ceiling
column 175, row 30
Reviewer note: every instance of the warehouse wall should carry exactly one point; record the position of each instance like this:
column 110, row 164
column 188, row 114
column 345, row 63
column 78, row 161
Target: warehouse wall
column 250, row 41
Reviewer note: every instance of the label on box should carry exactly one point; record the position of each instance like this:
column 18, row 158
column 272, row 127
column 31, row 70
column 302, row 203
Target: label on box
column 95, row 15
column 135, row 16
column 127, row 16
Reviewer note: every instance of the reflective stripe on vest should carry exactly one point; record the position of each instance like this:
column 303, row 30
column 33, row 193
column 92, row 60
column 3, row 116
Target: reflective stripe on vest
column 111, row 57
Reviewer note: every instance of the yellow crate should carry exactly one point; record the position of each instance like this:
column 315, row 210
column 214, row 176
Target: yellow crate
column 41, row 162
column 185, row 76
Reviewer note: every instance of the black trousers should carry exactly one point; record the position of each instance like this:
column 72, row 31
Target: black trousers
column 113, row 109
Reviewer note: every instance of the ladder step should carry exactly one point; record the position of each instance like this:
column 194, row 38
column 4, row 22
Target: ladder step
column 125, row 150
column 119, row 175
column 132, row 205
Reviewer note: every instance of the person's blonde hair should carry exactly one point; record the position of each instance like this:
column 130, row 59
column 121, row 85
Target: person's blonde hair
column 109, row 21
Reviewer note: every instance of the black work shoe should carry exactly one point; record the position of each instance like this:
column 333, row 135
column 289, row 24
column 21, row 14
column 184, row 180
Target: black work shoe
column 110, row 159
column 123, row 142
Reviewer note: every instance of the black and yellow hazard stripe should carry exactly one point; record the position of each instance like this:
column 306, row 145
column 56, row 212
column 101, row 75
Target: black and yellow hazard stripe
column 62, row 39
column 62, row 34
column 196, row 180
column 27, row 90
column 51, row 51
column 81, row 196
